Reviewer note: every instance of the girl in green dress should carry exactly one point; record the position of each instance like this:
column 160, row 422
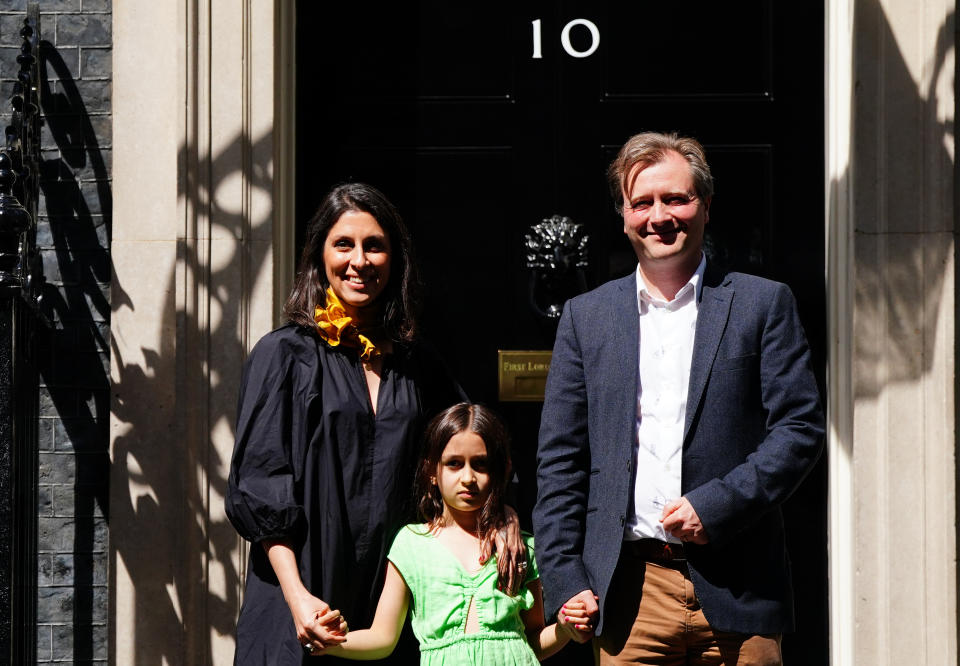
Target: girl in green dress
column 459, row 613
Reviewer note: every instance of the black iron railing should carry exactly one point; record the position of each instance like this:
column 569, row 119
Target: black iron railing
column 21, row 280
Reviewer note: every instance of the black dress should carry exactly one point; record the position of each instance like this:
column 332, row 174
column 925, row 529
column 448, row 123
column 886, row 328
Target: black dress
column 313, row 465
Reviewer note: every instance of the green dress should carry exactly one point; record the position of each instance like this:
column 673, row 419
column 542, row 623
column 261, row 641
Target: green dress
column 442, row 591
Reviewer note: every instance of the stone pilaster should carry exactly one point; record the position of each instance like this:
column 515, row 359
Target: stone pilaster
column 194, row 241
column 899, row 276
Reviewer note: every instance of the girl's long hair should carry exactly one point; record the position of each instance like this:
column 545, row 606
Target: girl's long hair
column 465, row 417
column 401, row 297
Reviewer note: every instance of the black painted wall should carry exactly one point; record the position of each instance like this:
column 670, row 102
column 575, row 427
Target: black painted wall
column 74, row 236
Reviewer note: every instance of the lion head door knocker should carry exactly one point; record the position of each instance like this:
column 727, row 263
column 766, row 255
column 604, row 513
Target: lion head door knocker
column 557, row 259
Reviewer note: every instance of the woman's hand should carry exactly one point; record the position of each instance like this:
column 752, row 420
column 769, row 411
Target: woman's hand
column 512, row 563
column 316, row 623
column 331, row 628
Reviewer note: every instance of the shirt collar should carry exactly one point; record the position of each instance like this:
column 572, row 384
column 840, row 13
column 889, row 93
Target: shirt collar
column 695, row 284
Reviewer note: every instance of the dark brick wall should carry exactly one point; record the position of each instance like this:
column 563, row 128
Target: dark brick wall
column 74, row 235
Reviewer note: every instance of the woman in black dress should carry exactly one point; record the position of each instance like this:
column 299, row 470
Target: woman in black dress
column 331, row 409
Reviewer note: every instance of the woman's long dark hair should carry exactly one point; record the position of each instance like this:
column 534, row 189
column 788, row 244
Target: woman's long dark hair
column 402, row 294
column 465, row 417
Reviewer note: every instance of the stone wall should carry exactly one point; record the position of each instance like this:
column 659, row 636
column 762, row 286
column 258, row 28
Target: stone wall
column 204, row 89
column 903, row 373
column 74, row 231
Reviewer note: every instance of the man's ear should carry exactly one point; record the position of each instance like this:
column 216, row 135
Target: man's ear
column 706, row 210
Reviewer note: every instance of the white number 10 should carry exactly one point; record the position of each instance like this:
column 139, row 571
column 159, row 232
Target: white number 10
column 565, row 38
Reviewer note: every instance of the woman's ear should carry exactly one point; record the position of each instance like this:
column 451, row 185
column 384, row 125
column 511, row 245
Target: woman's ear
column 433, row 480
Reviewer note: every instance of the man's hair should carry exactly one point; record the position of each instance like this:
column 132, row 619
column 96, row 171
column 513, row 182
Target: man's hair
column 648, row 148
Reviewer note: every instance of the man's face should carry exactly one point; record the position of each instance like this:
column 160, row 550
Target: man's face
column 662, row 215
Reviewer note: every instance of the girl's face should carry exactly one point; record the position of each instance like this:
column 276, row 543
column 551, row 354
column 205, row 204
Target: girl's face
column 462, row 475
column 356, row 260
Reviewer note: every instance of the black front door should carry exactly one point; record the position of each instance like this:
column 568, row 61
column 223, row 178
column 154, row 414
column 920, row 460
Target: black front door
column 480, row 119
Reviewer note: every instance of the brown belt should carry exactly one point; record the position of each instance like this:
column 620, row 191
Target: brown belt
column 655, row 550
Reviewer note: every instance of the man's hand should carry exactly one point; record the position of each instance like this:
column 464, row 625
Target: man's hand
column 583, row 606
column 681, row 520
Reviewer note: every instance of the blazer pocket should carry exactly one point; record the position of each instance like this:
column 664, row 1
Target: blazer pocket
column 735, row 362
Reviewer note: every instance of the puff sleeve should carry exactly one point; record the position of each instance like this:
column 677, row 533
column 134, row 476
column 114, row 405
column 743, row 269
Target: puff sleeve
column 262, row 499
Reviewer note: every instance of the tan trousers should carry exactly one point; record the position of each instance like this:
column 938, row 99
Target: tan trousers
column 653, row 617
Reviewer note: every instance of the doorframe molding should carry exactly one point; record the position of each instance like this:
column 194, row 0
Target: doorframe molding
column 838, row 215
column 285, row 154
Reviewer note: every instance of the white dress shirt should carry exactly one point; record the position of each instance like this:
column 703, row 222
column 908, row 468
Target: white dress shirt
column 667, row 331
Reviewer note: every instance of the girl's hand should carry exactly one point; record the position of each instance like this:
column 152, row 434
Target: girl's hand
column 335, row 626
column 334, row 623
column 316, row 624
column 512, row 563
column 574, row 619
column 378, row 641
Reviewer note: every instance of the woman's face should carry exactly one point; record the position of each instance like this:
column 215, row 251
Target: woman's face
column 356, row 259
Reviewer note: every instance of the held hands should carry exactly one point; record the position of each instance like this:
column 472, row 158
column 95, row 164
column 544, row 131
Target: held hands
column 577, row 617
column 317, row 625
column 681, row 520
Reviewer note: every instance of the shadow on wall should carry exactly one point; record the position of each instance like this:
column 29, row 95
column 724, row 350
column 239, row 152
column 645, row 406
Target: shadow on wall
column 900, row 265
column 73, row 360
column 174, row 503
column 902, row 235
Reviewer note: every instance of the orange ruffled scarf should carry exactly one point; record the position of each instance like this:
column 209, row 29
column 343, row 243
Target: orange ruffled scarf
column 336, row 328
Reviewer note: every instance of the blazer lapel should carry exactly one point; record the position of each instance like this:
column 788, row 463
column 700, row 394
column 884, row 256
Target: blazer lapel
column 624, row 338
column 711, row 322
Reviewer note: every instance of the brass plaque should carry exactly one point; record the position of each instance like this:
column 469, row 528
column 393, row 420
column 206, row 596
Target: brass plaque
column 523, row 375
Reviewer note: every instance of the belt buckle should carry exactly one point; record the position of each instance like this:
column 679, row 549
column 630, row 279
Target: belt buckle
column 674, row 552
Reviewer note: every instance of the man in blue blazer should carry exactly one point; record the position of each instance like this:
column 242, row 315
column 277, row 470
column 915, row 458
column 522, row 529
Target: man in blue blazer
column 680, row 412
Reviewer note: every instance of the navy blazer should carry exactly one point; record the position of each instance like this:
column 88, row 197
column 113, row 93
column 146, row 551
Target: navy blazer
column 754, row 429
